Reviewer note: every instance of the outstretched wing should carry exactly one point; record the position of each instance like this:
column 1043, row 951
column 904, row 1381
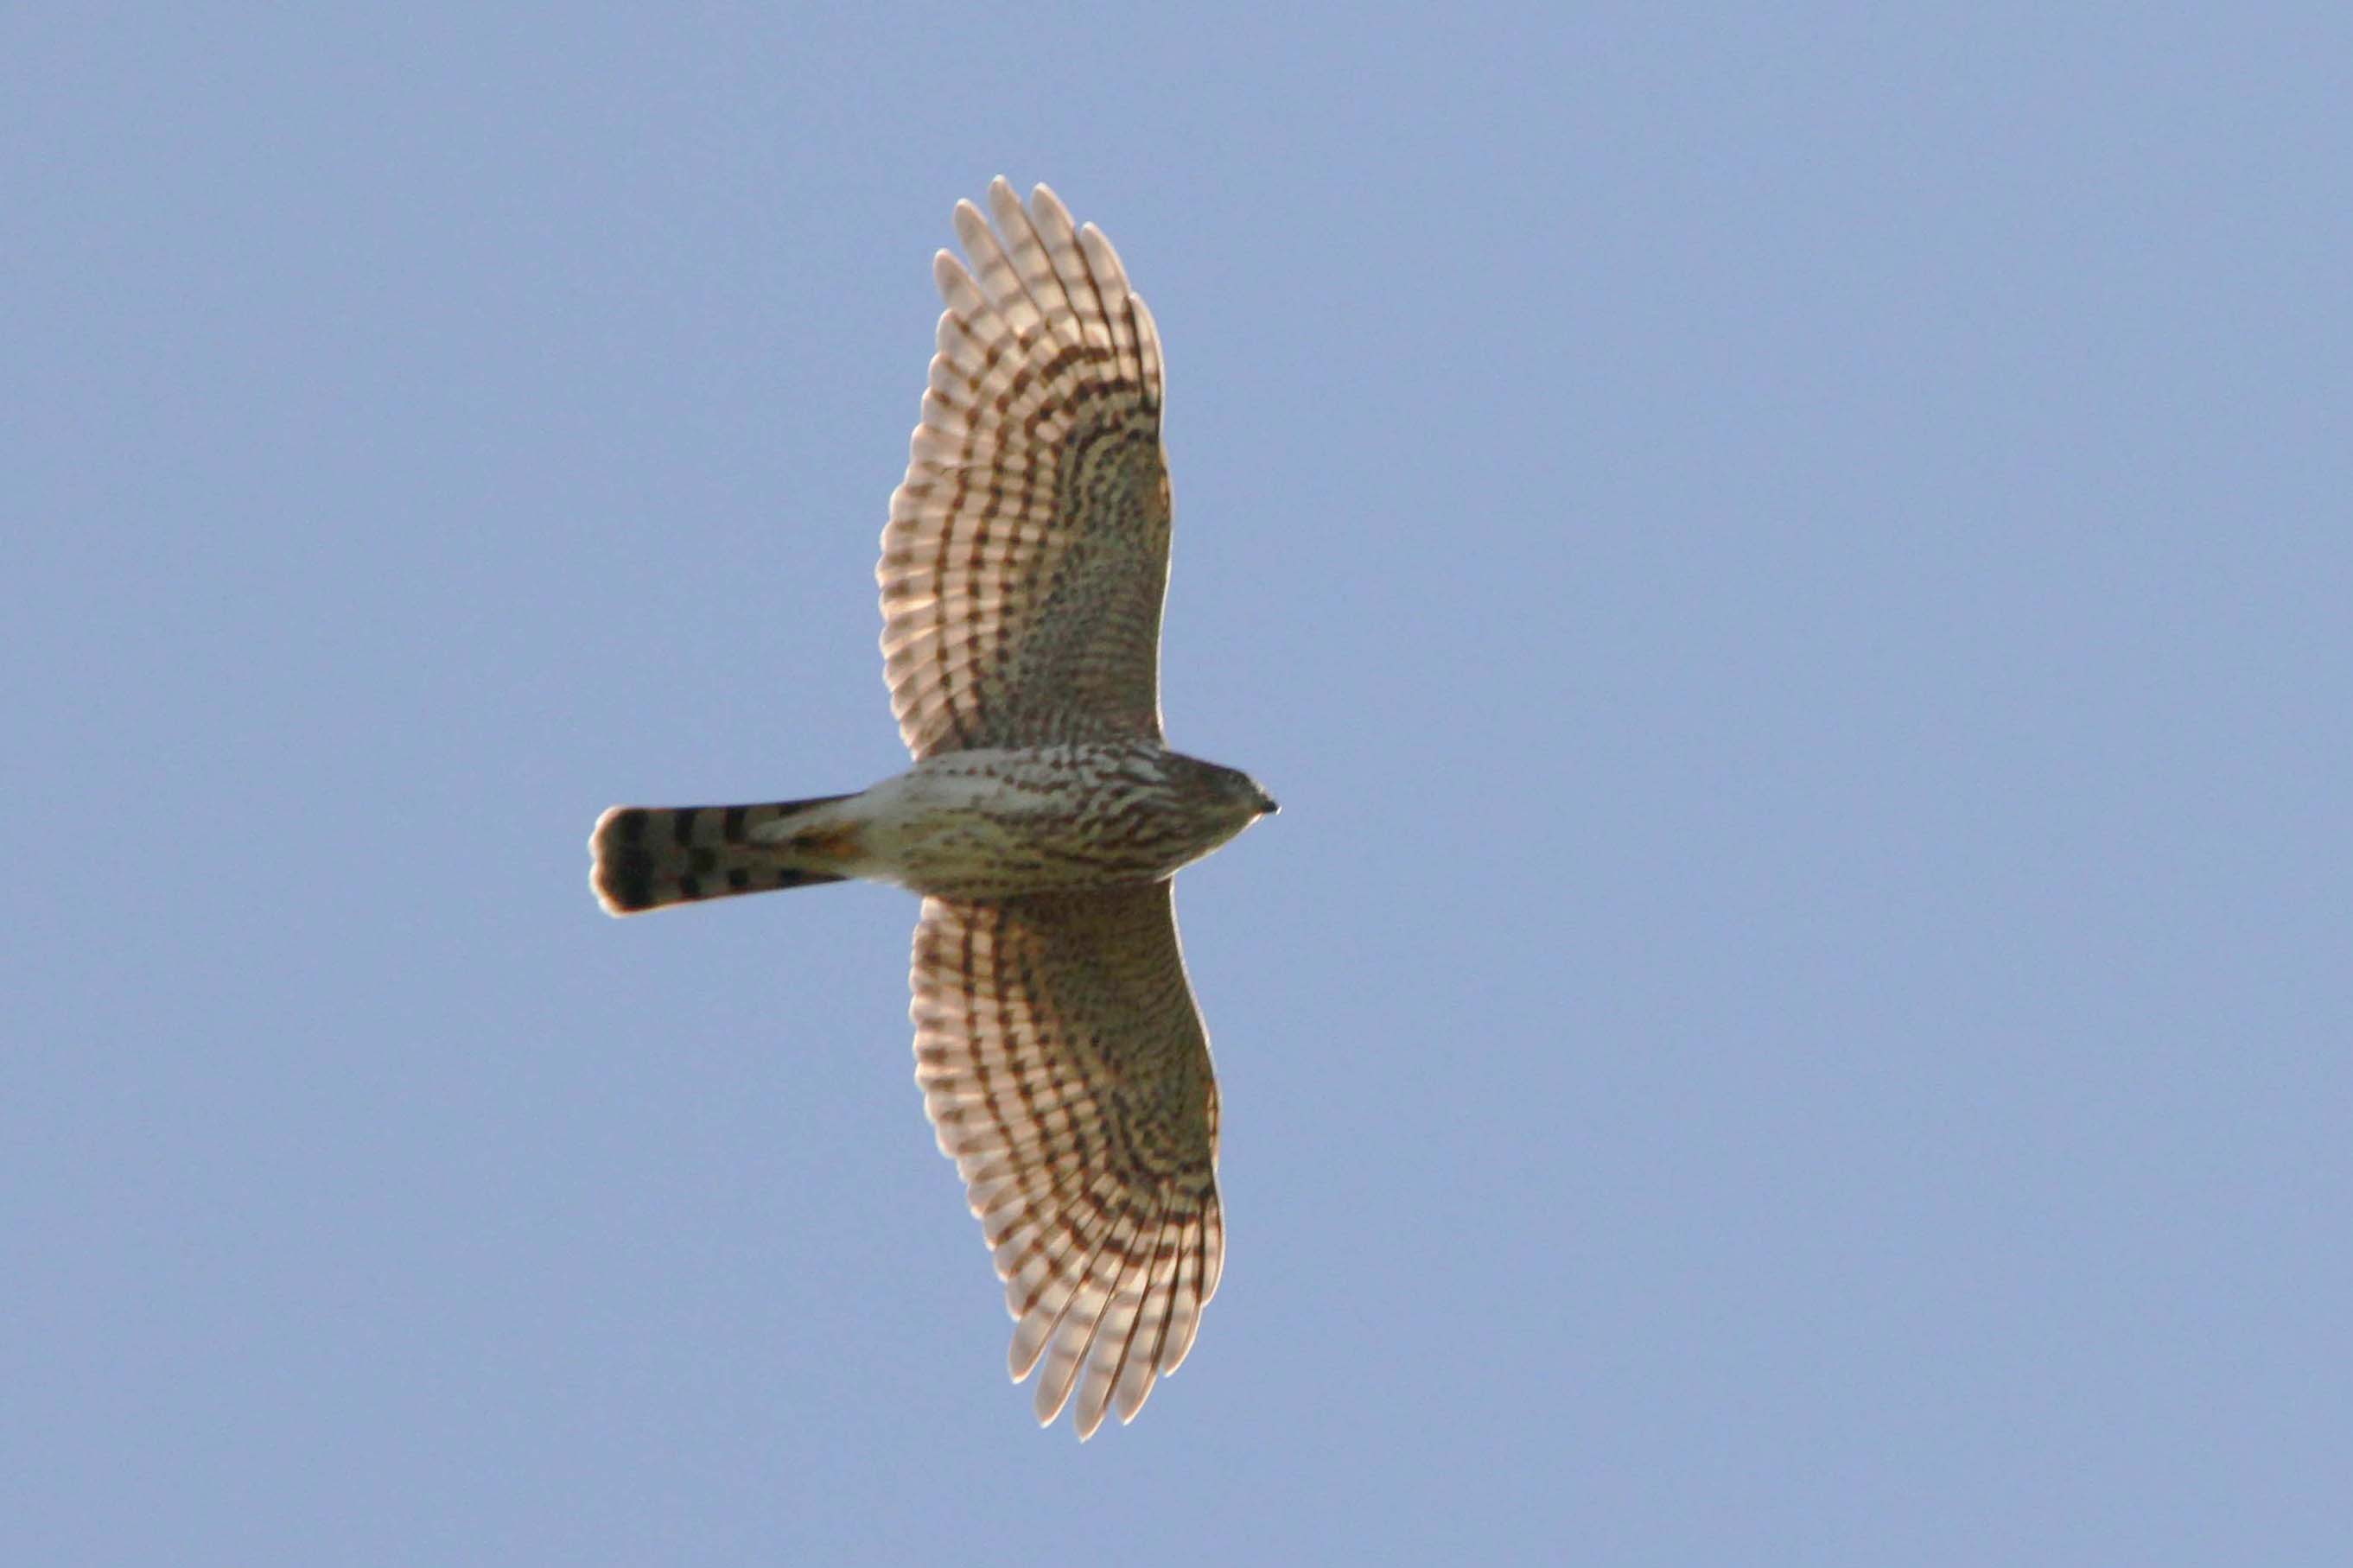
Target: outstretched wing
column 1064, row 1067
column 1027, row 556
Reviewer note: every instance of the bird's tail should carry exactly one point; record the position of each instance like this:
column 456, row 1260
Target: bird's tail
column 650, row 856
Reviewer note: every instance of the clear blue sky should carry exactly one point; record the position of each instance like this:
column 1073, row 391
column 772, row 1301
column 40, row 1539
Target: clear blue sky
column 1792, row 574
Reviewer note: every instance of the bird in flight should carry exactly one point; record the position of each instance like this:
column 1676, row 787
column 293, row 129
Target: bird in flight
column 1061, row 1057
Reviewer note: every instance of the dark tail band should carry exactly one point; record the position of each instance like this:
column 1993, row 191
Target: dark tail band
column 650, row 856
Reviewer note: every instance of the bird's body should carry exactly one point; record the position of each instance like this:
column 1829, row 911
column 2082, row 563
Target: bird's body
column 1062, row 1061
column 999, row 824
column 991, row 824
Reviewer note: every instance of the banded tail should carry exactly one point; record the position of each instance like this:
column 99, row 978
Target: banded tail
column 650, row 856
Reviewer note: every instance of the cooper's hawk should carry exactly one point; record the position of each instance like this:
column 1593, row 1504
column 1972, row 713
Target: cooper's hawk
column 1061, row 1057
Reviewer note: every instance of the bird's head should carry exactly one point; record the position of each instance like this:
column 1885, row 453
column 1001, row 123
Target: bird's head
column 1238, row 793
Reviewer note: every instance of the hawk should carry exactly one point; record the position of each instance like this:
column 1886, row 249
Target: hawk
column 1061, row 1057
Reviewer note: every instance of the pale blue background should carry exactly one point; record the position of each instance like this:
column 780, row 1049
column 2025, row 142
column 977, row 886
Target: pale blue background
column 1791, row 572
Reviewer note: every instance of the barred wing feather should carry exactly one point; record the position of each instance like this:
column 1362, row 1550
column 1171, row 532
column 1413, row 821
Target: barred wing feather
column 1066, row 1071
column 1027, row 556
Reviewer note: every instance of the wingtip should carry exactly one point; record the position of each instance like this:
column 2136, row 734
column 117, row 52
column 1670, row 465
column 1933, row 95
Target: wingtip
column 1049, row 210
column 971, row 223
column 949, row 275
